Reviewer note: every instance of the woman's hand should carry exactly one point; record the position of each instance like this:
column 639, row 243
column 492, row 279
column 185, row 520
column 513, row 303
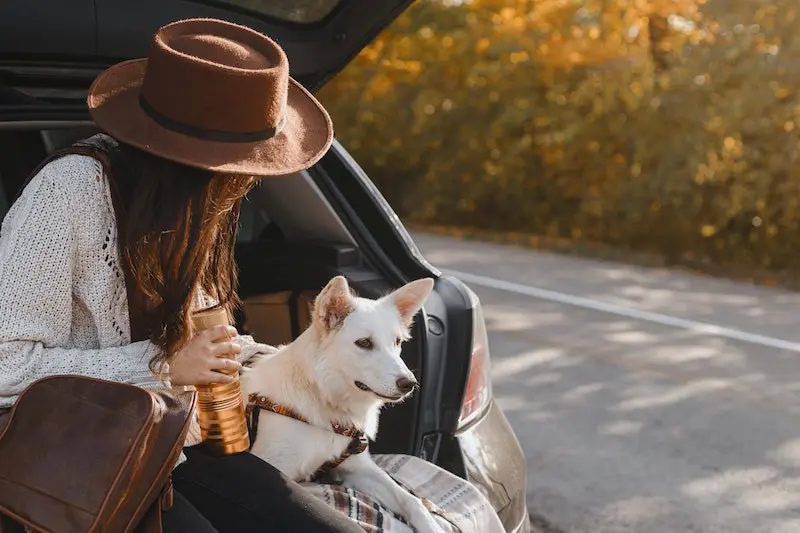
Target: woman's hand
column 205, row 358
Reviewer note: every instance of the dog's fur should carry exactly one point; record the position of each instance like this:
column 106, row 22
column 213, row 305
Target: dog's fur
column 316, row 376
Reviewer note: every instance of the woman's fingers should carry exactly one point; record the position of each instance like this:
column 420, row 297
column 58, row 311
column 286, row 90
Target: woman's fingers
column 224, row 364
column 213, row 378
column 203, row 361
column 222, row 349
column 218, row 333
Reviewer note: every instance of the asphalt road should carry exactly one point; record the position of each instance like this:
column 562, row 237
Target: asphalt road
column 646, row 401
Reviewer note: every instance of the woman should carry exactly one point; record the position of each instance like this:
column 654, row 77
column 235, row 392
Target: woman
column 99, row 271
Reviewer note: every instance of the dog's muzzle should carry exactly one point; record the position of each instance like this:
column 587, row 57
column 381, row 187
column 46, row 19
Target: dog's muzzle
column 399, row 397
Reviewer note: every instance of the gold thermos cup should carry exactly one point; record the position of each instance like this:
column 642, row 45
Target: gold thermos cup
column 220, row 407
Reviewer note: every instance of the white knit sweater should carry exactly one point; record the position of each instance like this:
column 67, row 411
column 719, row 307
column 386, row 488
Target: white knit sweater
column 63, row 302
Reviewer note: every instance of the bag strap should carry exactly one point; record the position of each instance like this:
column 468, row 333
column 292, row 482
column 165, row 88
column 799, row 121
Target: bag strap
column 74, row 149
column 98, row 148
column 137, row 308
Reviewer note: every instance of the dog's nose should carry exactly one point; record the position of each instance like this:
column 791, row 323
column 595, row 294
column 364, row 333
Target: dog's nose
column 406, row 385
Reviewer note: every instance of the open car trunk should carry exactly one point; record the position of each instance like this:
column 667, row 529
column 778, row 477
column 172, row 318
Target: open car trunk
column 290, row 244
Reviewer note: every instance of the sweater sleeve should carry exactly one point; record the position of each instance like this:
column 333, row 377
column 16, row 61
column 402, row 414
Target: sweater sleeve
column 37, row 259
column 252, row 350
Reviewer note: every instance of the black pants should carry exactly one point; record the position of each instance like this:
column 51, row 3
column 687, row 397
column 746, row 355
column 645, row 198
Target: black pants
column 241, row 493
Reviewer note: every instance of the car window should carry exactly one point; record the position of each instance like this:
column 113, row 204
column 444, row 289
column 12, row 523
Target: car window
column 253, row 219
column 299, row 11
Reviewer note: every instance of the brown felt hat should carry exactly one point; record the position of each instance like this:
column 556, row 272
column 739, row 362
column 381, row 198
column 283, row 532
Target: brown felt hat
column 213, row 95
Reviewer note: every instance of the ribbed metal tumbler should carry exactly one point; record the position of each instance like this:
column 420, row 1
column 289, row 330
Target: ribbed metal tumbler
column 220, row 408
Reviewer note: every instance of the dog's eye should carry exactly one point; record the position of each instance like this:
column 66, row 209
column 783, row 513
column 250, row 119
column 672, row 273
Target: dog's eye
column 364, row 344
column 398, row 341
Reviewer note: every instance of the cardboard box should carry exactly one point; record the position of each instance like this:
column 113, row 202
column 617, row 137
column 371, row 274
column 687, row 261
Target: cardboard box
column 305, row 307
column 269, row 318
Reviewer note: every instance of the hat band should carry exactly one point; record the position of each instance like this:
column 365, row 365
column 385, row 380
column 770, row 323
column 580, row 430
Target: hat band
column 209, row 134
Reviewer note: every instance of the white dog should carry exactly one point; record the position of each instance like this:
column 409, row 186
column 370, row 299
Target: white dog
column 315, row 402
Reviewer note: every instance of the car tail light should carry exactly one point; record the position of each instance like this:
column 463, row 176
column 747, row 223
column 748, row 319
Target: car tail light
column 478, row 394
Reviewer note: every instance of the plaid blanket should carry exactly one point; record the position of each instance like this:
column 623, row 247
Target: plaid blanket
column 457, row 505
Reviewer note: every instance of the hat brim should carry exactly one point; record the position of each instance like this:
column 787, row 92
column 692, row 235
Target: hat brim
column 114, row 105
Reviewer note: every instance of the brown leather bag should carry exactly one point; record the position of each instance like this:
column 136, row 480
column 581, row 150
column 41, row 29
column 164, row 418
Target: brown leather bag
column 81, row 455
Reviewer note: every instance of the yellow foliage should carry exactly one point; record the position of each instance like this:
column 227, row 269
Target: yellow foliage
column 662, row 125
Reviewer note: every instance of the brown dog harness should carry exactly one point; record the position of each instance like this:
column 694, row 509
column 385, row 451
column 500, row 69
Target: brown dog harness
column 358, row 441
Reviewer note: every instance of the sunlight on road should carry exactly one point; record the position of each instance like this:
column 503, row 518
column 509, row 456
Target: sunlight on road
column 631, row 426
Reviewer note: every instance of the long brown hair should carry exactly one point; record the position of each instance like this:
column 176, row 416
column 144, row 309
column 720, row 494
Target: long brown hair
column 177, row 232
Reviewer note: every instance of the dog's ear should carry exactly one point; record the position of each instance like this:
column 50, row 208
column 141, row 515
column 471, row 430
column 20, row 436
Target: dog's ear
column 332, row 305
column 410, row 298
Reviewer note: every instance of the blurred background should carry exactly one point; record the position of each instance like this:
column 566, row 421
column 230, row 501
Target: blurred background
column 662, row 130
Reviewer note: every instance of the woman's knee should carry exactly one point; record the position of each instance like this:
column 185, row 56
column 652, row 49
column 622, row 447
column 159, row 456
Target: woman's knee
column 183, row 517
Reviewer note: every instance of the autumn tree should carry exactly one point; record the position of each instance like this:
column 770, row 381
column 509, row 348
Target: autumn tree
column 664, row 125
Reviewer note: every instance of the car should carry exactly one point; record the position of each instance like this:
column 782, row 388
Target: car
column 51, row 50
